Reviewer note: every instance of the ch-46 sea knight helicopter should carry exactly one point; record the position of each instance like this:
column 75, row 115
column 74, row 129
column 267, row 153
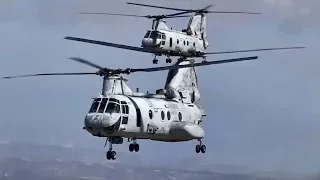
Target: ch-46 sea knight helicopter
column 171, row 114
column 191, row 42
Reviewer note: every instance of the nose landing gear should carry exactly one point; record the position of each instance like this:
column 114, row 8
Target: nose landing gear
column 112, row 140
column 155, row 60
column 111, row 154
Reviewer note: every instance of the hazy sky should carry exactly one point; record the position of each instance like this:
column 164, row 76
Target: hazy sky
column 263, row 114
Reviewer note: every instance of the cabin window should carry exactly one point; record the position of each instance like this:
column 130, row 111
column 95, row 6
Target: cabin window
column 184, row 42
column 102, row 105
column 194, row 44
column 162, row 115
column 177, row 41
column 150, row 114
column 187, row 43
column 168, row 115
column 95, row 105
column 113, row 108
column 180, row 116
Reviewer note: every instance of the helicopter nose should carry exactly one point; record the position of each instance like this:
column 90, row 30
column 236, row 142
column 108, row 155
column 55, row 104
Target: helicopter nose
column 147, row 42
column 97, row 120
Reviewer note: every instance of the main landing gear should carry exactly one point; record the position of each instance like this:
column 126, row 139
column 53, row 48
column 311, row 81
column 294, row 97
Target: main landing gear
column 134, row 146
column 201, row 147
column 155, row 60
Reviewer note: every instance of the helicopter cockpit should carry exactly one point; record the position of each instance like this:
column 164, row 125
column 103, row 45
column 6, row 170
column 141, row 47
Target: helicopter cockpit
column 153, row 38
column 104, row 113
column 105, row 105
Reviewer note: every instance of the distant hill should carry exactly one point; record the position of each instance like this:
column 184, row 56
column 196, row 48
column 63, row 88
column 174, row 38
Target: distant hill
column 19, row 168
column 87, row 162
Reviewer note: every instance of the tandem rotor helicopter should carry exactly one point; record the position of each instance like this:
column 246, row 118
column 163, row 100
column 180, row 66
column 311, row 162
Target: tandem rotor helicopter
column 191, row 42
column 172, row 114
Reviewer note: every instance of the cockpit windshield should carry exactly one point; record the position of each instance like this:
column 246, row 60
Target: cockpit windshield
column 155, row 35
column 113, row 106
column 102, row 105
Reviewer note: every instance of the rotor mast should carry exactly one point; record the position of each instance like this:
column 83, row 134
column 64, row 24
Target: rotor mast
column 115, row 84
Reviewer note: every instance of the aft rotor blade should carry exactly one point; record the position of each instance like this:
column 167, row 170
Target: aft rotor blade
column 251, row 50
column 86, row 62
column 233, row 12
column 169, row 8
column 193, row 65
column 48, row 74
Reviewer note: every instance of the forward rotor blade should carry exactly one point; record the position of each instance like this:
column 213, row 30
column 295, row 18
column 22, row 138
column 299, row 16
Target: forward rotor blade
column 169, row 8
column 251, row 50
column 113, row 14
column 193, row 65
column 48, row 74
column 132, row 15
column 86, row 62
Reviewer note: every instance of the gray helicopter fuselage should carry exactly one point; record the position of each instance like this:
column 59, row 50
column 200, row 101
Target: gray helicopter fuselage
column 144, row 118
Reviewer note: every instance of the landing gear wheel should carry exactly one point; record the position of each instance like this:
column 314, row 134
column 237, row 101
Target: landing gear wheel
column 136, row 147
column 108, row 155
column 131, row 147
column 113, row 155
column 203, row 148
column 168, row 60
column 155, row 61
column 198, row 148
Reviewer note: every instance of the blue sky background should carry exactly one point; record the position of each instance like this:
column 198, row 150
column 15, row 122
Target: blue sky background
column 262, row 114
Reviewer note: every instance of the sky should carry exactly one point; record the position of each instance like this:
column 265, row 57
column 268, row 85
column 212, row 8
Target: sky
column 262, row 114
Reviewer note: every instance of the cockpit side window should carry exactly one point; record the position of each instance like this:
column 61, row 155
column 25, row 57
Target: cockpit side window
column 163, row 36
column 102, row 105
column 124, row 107
column 95, row 105
column 113, row 107
column 147, row 34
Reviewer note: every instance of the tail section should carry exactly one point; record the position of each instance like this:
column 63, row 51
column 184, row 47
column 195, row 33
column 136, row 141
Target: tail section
column 183, row 84
column 198, row 27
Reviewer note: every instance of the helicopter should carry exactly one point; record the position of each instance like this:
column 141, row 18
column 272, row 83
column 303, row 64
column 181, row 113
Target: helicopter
column 191, row 42
column 171, row 114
